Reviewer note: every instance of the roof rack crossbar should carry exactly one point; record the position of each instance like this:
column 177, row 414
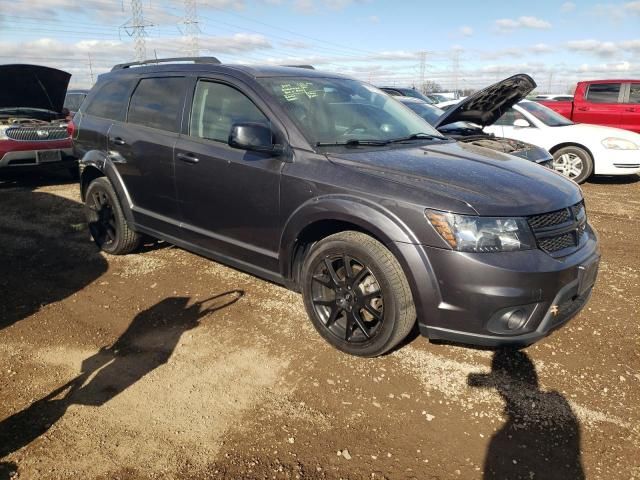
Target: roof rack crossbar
column 308, row 67
column 155, row 61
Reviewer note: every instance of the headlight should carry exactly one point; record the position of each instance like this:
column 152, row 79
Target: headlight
column 3, row 133
column 619, row 144
column 482, row 234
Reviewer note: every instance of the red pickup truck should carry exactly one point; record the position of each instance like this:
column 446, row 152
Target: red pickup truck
column 614, row 103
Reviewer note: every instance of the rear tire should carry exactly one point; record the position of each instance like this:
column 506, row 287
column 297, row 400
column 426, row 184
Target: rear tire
column 356, row 294
column 574, row 163
column 107, row 223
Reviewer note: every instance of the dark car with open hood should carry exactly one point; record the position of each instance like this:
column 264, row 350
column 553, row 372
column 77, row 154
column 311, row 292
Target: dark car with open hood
column 327, row 185
column 486, row 107
column 33, row 126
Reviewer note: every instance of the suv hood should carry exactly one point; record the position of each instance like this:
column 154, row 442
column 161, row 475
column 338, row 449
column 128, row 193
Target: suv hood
column 486, row 106
column 33, row 86
column 463, row 178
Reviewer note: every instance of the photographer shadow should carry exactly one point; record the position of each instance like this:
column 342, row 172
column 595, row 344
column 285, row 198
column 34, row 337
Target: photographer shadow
column 148, row 343
column 541, row 437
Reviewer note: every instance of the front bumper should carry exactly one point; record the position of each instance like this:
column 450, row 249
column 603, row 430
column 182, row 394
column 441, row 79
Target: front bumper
column 477, row 293
column 15, row 154
column 616, row 162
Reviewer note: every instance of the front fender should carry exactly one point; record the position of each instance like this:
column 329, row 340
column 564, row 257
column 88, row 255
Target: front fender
column 378, row 222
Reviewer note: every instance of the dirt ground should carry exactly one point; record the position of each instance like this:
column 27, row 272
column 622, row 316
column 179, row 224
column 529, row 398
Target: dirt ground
column 163, row 365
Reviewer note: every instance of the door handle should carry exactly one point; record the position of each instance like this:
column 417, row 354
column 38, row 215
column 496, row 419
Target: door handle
column 630, row 109
column 188, row 158
column 583, row 109
column 117, row 141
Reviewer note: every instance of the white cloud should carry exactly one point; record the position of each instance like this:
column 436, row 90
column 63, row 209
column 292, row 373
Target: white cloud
column 568, row 7
column 466, row 31
column 595, row 47
column 374, row 19
column 541, row 48
column 304, row 6
column 633, row 7
column 510, row 24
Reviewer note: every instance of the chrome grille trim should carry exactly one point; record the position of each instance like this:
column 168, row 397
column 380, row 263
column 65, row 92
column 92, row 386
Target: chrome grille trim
column 37, row 134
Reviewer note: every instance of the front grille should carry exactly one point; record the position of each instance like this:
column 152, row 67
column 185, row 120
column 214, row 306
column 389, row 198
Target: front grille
column 37, row 134
column 553, row 244
column 561, row 229
column 549, row 219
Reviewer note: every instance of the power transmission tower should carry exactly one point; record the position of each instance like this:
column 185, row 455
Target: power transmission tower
column 423, row 66
column 456, row 69
column 191, row 29
column 549, row 83
column 90, row 68
column 135, row 28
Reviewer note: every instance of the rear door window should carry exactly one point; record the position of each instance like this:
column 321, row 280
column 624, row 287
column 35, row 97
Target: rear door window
column 634, row 93
column 603, row 92
column 157, row 103
column 216, row 107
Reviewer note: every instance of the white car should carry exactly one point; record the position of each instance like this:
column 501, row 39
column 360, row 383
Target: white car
column 449, row 103
column 578, row 150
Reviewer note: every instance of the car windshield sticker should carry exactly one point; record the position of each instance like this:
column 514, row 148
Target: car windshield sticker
column 293, row 92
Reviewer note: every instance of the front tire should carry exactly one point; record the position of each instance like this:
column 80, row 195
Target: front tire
column 106, row 220
column 574, row 163
column 357, row 295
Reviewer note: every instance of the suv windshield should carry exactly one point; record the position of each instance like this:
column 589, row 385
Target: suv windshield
column 336, row 111
column 545, row 114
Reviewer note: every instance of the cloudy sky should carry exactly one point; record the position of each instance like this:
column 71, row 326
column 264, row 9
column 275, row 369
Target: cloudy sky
column 463, row 43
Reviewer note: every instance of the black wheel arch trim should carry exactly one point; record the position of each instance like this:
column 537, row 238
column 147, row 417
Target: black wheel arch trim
column 97, row 160
column 378, row 222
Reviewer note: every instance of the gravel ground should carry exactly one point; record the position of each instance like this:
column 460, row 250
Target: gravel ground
column 163, row 365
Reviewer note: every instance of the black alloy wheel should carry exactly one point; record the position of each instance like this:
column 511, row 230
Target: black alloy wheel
column 107, row 223
column 356, row 294
column 347, row 297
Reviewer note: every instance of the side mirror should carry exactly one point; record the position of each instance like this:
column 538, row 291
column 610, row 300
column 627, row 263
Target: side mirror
column 521, row 123
column 253, row 136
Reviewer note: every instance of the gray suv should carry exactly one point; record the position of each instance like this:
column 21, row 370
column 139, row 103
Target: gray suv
column 329, row 186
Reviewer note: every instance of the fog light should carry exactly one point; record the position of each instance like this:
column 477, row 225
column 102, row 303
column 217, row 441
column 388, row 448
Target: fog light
column 516, row 320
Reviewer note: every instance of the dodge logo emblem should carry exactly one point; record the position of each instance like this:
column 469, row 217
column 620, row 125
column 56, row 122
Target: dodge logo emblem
column 42, row 133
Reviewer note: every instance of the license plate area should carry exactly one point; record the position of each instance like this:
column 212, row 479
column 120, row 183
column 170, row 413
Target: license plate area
column 587, row 274
column 46, row 156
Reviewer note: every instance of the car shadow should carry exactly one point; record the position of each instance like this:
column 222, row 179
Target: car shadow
column 45, row 252
column 614, row 180
column 147, row 344
column 541, row 436
column 36, row 178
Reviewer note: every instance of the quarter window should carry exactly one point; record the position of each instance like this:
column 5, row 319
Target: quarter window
column 110, row 100
column 603, row 92
column 634, row 93
column 157, row 103
column 216, row 107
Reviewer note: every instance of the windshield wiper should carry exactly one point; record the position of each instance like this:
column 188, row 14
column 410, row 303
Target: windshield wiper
column 417, row 136
column 354, row 143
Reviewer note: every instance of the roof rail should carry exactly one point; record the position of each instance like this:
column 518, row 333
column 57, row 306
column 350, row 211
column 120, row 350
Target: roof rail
column 308, row 67
column 155, row 61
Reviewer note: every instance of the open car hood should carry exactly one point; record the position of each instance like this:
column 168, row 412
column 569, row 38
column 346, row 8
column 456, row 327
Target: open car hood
column 486, row 106
column 32, row 86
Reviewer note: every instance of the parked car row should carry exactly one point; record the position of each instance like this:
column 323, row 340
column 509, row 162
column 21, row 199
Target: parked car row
column 578, row 149
column 330, row 187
